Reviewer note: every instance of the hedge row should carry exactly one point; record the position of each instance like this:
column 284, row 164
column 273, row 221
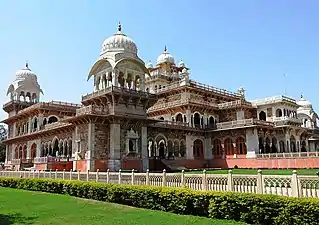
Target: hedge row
column 249, row 208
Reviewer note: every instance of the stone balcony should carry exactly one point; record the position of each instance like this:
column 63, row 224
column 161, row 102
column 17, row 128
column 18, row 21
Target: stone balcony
column 280, row 121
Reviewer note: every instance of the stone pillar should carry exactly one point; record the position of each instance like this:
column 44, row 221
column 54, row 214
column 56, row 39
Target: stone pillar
column 189, row 147
column 208, row 154
column 38, row 150
column 7, row 154
column 114, row 163
column 115, row 78
column 252, row 143
column 29, row 125
column 144, row 150
column 188, row 116
column 14, row 130
column 90, row 155
column 287, row 143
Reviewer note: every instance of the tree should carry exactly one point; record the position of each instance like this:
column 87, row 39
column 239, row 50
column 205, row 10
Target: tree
column 2, row 152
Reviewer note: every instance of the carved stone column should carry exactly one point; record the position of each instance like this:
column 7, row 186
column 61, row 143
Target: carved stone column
column 90, row 155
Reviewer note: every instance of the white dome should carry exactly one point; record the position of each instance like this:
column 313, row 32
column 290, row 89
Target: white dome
column 149, row 65
column 119, row 42
column 304, row 103
column 181, row 64
column 25, row 72
column 165, row 57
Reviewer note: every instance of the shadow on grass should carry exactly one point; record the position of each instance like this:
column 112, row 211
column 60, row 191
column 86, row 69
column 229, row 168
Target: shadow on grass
column 15, row 219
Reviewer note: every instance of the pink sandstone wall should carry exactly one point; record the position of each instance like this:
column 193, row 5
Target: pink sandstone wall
column 266, row 163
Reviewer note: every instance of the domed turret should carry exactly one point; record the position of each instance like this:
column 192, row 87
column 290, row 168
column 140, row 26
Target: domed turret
column 304, row 103
column 149, row 65
column 165, row 57
column 119, row 42
column 25, row 87
column 181, row 64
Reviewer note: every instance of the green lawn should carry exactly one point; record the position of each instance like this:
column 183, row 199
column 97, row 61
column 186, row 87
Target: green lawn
column 265, row 171
column 25, row 207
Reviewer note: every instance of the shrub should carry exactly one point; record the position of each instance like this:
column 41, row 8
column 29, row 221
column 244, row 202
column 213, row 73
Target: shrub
column 249, row 208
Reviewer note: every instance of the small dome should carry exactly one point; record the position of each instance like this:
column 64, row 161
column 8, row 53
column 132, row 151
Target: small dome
column 165, row 57
column 119, row 42
column 304, row 103
column 25, row 72
column 149, row 65
column 181, row 64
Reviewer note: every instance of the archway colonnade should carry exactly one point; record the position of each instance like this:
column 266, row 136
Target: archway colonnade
column 57, row 148
column 229, row 146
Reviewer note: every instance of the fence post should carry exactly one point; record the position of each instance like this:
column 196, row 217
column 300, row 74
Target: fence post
column 147, row 180
column 38, row 173
column 71, row 174
column 294, row 184
column 183, row 179
column 79, row 174
column 63, row 174
column 25, row 174
column 33, row 173
column 50, row 175
column 230, row 185
column 88, row 175
column 56, row 174
column 97, row 175
column 204, row 181
column 260, row 187
column 133, row 177
column 108, row 176
column 164, row 178
column 120, row 176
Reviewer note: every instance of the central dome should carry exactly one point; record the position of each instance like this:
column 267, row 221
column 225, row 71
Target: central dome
column 119, row 42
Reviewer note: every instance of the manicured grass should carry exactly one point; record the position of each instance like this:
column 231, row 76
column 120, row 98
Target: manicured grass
column 264, row 171
column 25, row 207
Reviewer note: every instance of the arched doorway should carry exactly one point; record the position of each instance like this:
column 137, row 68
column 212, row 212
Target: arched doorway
column 267, row 146
column 293, row 144
column 179, row 118
column 274, row 145
column 198, row 149
column 55, row 147
column 228, row 146
column 24, row 155
column 217, row 148
column 303, row 146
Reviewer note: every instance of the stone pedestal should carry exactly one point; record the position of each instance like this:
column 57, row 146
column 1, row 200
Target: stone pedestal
column 114, row 162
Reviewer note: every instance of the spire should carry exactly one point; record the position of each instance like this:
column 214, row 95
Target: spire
column 301, row 96
column 119, row 27
column 27, row 65
column 165, row 49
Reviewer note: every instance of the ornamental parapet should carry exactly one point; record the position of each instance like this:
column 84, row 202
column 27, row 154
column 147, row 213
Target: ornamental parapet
column 51, row 159
column 92, row 110
column 55, row 125
column 279, row 121
column 287, row 155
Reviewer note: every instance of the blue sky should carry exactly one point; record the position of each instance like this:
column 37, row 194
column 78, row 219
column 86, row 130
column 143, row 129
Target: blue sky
column 226, row 43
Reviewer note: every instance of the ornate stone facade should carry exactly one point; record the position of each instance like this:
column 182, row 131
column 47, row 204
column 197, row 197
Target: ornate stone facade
column 150, row 117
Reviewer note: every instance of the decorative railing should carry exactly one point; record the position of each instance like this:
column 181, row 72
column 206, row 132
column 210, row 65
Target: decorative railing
column 242, row 123
column 55, row 125
column 292, row 186
column 273, row 99
column 287, row 155
column 112, row 88
column 92, row 109
column 48, row 159
column 286, row 119
column 232, row 104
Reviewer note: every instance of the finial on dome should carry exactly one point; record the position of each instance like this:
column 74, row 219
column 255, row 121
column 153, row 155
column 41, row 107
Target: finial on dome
column 165, row 49
column 119, row 27
column 301, row 96
column 27, row 65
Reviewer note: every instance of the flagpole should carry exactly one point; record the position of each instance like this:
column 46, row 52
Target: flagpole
column 285, row 93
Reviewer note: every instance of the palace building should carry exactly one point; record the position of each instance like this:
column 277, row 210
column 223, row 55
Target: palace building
column 141, row 116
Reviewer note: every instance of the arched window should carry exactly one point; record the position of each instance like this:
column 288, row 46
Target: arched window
column 52, row 119
column 217, row 148
column 241, row 146
column 179, row 118
column 278, row 113
column 197, row 120
column 262, row 116
column 198, row 149
column 228, row 146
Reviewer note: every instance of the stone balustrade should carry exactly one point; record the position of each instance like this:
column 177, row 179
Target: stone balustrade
column 287, row 155
column 292, row 186
column 92, row 110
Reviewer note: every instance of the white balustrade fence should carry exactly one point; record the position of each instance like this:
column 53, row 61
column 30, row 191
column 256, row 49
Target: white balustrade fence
column 293, row 186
